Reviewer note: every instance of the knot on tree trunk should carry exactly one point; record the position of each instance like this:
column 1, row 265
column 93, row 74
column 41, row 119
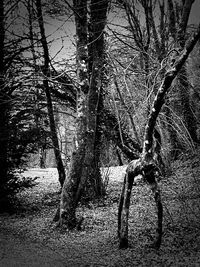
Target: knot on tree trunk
column 150, row 170
column 145, row 166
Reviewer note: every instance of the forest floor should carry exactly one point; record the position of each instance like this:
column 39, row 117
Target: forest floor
column 29, row 237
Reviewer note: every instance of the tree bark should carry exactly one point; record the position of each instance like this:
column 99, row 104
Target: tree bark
column 46, row 73
column 84, row 178
column 69, row 201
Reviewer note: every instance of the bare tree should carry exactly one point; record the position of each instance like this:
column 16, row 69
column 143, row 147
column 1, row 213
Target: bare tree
column 146, row 165
column 150, row 41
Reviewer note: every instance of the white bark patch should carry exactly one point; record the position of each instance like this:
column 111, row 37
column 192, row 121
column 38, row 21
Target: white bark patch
column 90, row 131
column 172, row 71
column 83, row 64
column 62, row 210
column 82, row 83
column 80, row 114
column 76, row 143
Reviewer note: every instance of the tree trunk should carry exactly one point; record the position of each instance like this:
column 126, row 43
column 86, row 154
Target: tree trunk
column 3, row 106
column 43, row 156
column 46, row 72
column 84, row 178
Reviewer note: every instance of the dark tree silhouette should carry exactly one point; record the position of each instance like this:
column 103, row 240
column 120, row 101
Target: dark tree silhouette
column 46, row 73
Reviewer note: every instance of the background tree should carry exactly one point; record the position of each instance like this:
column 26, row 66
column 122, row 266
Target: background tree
column 181, row 96
column 148, row 46
column 17, row 134
column 46, row 73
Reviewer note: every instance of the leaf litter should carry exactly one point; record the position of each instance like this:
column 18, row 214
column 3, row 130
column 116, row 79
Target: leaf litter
column 97, row 244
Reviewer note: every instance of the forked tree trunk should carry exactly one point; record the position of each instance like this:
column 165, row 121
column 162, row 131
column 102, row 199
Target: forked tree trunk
column 46, row 73
column 146, row 164
column 84, row 175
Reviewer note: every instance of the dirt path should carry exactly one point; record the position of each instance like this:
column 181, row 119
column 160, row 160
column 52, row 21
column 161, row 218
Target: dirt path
column 16, row 252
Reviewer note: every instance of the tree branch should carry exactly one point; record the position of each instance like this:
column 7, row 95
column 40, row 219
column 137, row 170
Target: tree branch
column 159, row 100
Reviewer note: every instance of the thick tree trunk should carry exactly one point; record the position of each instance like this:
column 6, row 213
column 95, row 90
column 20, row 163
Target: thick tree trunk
column 84, row 179
column 69, row 197
column 98, row 83
column 91, row 179
column 46, row 72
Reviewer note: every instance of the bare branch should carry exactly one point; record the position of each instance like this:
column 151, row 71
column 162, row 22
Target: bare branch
column 159, row 100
